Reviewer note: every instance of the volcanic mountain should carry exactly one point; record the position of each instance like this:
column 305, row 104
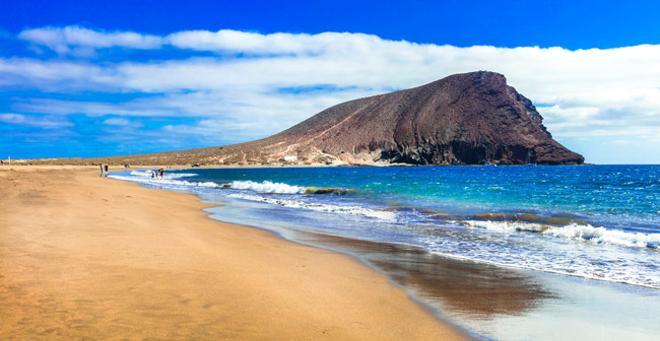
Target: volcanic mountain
column 464, row 119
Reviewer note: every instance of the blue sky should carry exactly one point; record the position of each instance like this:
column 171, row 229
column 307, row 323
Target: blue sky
column 120, row 77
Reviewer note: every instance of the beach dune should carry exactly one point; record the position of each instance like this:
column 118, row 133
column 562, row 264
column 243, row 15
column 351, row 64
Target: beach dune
column 83, row 256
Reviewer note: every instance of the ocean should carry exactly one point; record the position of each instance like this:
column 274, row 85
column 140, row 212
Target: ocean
column 555, row 232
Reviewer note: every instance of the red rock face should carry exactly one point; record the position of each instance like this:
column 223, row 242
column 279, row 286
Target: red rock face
column 464, row 119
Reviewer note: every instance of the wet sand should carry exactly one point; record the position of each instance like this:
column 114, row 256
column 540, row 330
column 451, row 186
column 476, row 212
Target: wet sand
column 461, row 287
column 87, row 257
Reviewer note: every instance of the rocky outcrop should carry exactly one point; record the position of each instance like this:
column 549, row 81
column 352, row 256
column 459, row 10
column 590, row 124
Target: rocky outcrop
column 464, row 119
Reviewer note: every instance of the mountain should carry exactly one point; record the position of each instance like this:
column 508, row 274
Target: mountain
column 464, row 119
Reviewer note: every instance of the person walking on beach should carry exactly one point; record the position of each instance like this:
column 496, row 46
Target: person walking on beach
column 105, row 170
column 102, row 173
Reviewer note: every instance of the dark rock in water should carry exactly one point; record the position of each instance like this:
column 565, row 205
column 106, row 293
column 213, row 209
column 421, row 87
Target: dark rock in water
column 464, row 119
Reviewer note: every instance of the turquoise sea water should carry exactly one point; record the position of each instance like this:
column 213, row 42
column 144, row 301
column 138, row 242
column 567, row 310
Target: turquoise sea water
column 599, row 224
column 625, row 197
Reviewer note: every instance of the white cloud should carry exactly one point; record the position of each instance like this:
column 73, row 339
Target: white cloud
column 272, row 44
column 581, row 93
column 117, row 122
column 43, row 122
column 122, row 122
column 67, row 39
column 72, row 39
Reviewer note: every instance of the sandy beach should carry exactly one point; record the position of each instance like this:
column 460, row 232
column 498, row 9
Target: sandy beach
column 88, row 257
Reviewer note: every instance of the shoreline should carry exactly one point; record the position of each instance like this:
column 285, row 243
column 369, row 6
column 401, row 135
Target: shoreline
column 486, row 299
column 49, row 163
column 107, row 270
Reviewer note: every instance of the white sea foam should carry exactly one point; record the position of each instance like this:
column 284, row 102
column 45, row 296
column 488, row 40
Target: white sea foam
column 505, row 226
column 267, row 187
column 146, row 173
column 581, row 232
column 550, row 265
column 351, row 210
column 141, row 173
column 600, row 235
column 168, row 180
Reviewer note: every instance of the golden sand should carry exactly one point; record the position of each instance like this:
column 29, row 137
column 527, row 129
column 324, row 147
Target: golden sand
column 87, row 257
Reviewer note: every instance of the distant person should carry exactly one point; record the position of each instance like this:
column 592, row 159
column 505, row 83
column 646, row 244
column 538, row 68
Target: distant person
column 102, row 173
column 161, row 173
column 105, row 168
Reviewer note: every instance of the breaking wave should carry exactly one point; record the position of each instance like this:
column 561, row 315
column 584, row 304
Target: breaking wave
column 580, row 232
column 351, row 210
column 146, row 173
column 600, row 235
column 267, row 187
column 168, row 180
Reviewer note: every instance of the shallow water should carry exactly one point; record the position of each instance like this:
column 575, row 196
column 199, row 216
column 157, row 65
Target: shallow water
column 509, row 236
column 492, row 302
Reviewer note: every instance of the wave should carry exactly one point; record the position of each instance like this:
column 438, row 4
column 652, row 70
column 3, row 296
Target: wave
column 265, row 187
column 327, row 190
column 505, row 226
column 601, row 235
column 581, row 232
column 268, row 187
column 529, row 218
column 350, row 210
column 583, row 273
column 168, row 180
column 146, row 173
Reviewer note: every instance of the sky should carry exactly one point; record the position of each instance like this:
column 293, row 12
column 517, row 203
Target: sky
column 125, row 77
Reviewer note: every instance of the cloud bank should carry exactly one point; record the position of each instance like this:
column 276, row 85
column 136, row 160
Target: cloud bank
column 244, row 85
